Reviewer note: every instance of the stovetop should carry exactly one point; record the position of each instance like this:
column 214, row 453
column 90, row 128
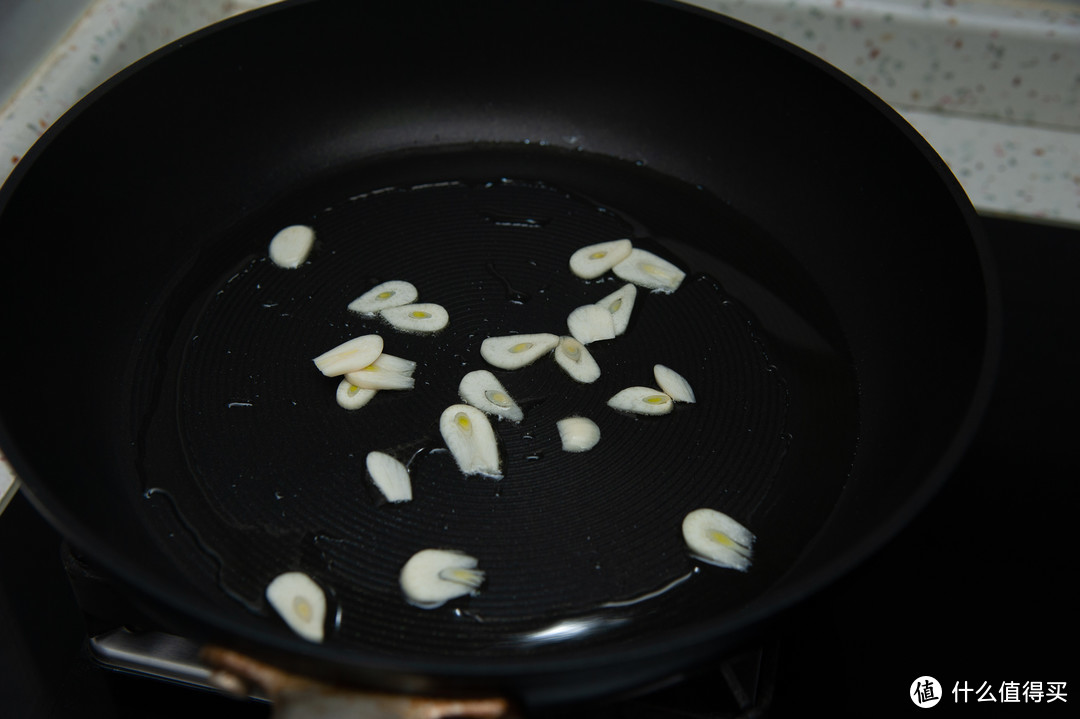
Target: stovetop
column 976, row 592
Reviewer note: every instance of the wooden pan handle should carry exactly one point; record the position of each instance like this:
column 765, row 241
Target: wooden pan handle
column 297, row 697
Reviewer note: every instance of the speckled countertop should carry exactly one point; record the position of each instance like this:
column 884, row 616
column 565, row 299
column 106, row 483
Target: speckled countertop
column 993, row 85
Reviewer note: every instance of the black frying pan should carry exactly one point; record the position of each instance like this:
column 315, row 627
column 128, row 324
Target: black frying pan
column 837, row 323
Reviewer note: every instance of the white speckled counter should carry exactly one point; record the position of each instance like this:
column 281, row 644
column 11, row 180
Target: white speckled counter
column 993, row 85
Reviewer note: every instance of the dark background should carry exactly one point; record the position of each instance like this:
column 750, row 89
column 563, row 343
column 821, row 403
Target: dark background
column 979, row 588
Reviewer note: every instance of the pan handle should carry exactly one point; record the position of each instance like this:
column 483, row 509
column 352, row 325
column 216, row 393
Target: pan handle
column 297, row 697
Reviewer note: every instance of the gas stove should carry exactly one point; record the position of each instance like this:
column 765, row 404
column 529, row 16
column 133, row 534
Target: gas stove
column 974, row 593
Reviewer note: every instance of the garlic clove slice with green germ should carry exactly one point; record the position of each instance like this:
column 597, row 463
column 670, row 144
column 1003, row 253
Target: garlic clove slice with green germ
column 576, row 360
column 483, row 390
column 349, row 396
column 471, row 440
column 594, row 260
column 591, row 323
column 716, row 538
column 620, row 304
column 673, row 384
column 300, row 602
column 433, row 577
column 393, row 293
column 291, row 246
column 515, row 351
column 390, row 476
column 641, row 400
column 355, row 354
column 650, row 271
column 578, row 434
column 419, row 318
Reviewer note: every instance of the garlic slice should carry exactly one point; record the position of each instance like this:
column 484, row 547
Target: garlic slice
column 650, row 271
column 578, row 434
column 515, row 351
column 673, row 384
column 576, row 360
column 620, row 304
column 386, row 372
column 390, row 476
column 394, row 364
column 349, row 396
column 471, row 440
column 716, row 538
column 423, row 318
column 590, row 323
column 350, row 356
column 300, row 602
column 641, row 400
column 393, row 293
column 433, row 577
column 484, row 391
column 291, row 246
column 592, row 261
column 374, row 377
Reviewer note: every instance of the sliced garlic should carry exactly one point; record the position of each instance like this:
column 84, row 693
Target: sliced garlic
column 620, row 304
column 390, row 476
column 394, row 364
column 384, row 296
column 300, row 602
column 578, row 434
column 673, row 384
column 386, row 372
column 433, row 577
column 716, row 538
column 514, row 351
column 471, row 440
column 424, row 317
column 483, row 390
column 650, row 271
column 576, row 360
column 590, row 323
column 375, row 377
column 291, row 246
column 594, row 260
column 641, row 400
column 350, row 356
column 349, row 396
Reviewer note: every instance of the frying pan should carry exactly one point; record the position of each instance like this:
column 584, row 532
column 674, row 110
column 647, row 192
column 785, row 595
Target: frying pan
column 837, row 323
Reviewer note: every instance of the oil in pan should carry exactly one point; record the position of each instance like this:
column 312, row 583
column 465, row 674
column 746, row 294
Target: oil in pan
column 265, row 472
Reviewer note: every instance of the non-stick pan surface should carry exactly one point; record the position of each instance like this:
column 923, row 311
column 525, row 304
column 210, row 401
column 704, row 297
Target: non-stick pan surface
column 836, row 324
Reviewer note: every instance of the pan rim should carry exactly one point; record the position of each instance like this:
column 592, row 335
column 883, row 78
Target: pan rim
column 678, row 639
